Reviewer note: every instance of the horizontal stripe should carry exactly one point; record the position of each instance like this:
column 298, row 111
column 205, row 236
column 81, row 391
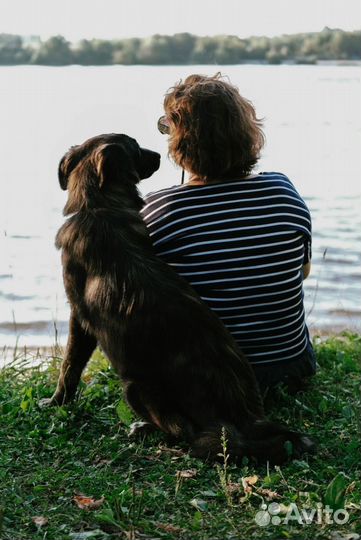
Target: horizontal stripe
column 227, row 211
column 296, row 277
column 174, row 201
column 279, row 224
column 297, row 337
column 215, row 308
column 256, row 323
column 242, row 268
column 225, row 232
column 241, row 278
column 228, row 230
column 254, row 246
column 269, row 329
column 261, row 313
column 237, row 259
column 284, row 357
column 288, row 299
column 284, row 349
column 285, row 334
column 234, row 298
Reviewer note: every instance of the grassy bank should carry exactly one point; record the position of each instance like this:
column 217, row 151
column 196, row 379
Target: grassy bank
column 72, row 473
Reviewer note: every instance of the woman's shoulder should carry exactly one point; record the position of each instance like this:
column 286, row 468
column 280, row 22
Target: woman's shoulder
column 164, row 193
column 160, row 201
column 280, row 181
column 274, row 177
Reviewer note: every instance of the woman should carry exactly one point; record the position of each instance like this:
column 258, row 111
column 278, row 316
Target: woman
column 242, row 240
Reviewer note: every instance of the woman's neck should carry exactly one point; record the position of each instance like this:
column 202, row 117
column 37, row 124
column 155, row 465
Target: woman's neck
column 196, row 181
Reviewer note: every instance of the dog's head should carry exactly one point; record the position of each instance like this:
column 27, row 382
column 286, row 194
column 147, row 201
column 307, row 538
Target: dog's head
column 104, row 165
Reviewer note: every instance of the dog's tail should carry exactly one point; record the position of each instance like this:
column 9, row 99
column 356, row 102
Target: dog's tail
column 265, row 441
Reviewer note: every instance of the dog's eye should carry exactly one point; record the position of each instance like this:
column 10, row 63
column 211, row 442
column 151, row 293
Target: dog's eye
column 138, row 154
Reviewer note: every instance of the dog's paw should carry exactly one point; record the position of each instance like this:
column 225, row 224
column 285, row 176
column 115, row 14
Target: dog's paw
column 304, row 445
column 140, row 429
column 308, row 445
column 54, row 401
column 46, row 402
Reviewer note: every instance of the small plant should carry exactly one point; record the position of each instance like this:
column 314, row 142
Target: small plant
column 224, row 477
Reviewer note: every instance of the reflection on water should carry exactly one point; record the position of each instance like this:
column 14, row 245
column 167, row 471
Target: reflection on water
column 313, row 129
column 332, row 291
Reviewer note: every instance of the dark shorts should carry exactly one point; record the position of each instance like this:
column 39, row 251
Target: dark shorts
column 291, row 373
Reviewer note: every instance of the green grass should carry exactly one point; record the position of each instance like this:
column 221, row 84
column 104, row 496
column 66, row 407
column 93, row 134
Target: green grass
column 152, row 490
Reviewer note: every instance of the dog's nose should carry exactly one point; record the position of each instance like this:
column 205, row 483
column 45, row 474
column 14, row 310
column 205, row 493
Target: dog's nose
column 149, row 163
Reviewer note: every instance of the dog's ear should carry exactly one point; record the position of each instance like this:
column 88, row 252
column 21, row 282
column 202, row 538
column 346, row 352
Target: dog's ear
column 63, row 178
column 67, row 164
column 111, row 162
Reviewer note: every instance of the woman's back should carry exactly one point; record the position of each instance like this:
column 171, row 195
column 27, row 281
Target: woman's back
column 241, row 244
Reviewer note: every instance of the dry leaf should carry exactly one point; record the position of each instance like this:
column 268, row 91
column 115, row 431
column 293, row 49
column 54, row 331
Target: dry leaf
column 87, row 503
column 233, row 487
column 98, row 462
column 40, row 521
column 351, row 488
column 269, row 494
column 169, row 528
column 134, row 535
column 87, row 535
column 251, row 480
column 187, row 473
column 248, row 483
column 199, row 504
column 166, row 450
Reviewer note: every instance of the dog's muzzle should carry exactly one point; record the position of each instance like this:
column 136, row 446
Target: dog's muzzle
column 149, row 163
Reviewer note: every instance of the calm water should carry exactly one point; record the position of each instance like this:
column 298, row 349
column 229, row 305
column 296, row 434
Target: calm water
column 313, row 127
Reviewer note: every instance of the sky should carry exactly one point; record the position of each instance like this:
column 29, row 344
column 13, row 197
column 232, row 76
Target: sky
column 109, row 19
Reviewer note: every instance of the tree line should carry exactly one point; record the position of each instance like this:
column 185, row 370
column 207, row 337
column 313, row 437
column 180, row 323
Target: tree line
column 183, row 48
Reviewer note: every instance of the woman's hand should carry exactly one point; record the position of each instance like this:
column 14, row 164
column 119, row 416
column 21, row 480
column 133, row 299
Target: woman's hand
column 306, row 269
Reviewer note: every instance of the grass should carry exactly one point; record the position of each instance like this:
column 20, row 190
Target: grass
column 51, row 459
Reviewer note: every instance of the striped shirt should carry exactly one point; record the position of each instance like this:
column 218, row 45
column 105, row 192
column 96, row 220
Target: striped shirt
column 241, row 245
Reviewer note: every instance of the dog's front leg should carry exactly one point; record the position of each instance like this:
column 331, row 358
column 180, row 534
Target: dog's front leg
column 79, row 349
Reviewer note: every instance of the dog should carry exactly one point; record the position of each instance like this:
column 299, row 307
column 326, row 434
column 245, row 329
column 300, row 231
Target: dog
column 181, row 369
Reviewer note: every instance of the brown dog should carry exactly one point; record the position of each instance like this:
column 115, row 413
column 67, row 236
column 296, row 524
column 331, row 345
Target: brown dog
column 182, row 371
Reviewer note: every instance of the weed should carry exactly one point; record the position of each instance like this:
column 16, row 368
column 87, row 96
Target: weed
column 224, row 477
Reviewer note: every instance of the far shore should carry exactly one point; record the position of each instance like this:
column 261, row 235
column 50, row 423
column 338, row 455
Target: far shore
column 342, row 63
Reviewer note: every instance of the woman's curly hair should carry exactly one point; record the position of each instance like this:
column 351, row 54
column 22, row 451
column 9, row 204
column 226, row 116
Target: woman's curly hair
column 214, row 131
